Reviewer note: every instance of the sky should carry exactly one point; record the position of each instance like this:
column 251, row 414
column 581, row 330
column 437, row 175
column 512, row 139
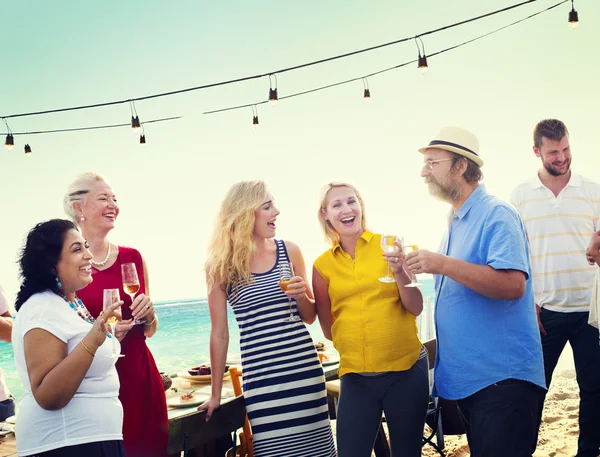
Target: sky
column 76, row 53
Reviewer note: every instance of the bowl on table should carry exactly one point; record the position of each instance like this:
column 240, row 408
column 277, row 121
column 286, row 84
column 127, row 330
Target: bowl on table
column 201, row 373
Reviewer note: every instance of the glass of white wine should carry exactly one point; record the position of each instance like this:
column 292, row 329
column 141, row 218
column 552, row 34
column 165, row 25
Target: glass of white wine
column 131, row 284
column 388, row 245
column 413, row 277
column 112, row 296
column 286, row 272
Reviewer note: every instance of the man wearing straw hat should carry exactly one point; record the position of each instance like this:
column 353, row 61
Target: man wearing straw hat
column 489, row 354
column 560, row 210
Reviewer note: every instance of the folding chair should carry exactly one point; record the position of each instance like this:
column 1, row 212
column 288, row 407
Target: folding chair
column 246, row 446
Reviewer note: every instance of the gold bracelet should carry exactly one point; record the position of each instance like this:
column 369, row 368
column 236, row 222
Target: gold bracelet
column 152, row 321
column 87, row 349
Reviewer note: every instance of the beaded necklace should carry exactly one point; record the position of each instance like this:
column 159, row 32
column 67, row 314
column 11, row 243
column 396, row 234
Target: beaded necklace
column 78, row 306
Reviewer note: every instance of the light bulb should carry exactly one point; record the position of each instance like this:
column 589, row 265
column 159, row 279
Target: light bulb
column 10, row 142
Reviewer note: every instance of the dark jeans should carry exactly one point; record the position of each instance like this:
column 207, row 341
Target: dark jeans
column 583, row 338
column 500, row 419
column 402, row 395
column 97, row 449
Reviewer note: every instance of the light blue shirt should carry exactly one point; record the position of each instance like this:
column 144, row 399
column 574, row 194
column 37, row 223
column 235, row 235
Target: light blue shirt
column 484, row 340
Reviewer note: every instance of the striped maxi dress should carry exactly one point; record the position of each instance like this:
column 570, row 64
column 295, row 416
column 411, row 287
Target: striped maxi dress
column 283, row 381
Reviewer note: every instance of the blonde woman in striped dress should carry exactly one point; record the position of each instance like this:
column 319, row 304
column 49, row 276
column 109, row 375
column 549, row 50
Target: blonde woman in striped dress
column 284, row 385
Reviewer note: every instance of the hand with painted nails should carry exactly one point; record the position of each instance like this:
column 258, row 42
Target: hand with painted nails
column 296, row 287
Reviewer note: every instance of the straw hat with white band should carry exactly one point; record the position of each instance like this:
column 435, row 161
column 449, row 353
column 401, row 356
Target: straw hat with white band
column 456, row 140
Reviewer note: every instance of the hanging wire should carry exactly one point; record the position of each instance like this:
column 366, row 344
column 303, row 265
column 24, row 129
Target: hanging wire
column 283, row 70
column 97, row 127
column 367, row 91
column 8, row 130
column 395, row 67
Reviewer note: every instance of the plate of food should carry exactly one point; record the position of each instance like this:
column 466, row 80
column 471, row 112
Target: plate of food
column 186, row 400
column 200, row 373
column 11, row 420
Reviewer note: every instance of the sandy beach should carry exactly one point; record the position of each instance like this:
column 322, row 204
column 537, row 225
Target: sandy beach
column 559, row 430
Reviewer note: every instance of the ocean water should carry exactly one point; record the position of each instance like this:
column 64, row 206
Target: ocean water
column 183, row 337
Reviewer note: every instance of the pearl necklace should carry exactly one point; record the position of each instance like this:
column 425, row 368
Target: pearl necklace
column 78, row 306
column 101, row 264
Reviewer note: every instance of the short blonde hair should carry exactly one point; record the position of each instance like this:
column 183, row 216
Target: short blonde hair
column 331, row 235
column 78, row 190
column 232, row 245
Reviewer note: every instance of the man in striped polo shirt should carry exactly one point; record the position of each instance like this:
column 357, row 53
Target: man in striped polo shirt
column 560, row 210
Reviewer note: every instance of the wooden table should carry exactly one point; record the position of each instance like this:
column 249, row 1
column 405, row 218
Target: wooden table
column 8, row 447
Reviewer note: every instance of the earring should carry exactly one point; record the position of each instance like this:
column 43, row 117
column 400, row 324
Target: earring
column 58, row 283
column 82, row 218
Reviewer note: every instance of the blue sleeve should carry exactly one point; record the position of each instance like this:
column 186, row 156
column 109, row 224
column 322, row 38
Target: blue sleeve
column 504, row 244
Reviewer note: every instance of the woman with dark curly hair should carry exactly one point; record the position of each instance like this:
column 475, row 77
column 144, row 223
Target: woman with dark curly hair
column 70, row 406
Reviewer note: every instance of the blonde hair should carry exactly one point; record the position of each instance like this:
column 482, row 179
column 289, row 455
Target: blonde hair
column 232, row 245
column 78, row 190
column 331, row 235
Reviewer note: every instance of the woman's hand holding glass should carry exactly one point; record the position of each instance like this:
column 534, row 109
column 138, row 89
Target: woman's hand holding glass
column 296, row 287
column 101, row 326
column 142, row 309
column 395, row 258
column 287, row 278
column 110, row 299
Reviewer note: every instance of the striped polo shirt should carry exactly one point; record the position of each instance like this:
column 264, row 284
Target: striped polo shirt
column 559, row 229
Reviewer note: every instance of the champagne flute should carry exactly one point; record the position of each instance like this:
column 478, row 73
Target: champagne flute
column 388, row 245
column 112, row 296
column 286, row 271
column 413, row 277
column 131, row 284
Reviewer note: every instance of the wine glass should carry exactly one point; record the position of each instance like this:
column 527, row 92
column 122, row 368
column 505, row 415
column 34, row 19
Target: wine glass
column 413, row 277
column 286, row 272
column 388, row 245
column 112, row 296
column 131, row 284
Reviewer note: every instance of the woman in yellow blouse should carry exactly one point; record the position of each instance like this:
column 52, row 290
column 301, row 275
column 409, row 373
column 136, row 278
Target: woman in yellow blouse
column 383, row 366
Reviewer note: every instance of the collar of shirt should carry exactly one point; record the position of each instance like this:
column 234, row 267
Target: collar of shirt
column 575, row 180
column 475, row 196
column 366, row 235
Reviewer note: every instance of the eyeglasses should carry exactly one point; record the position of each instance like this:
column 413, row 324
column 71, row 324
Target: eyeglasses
column 430, row 163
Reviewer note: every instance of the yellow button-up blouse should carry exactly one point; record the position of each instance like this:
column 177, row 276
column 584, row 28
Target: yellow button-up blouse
column 372, row 330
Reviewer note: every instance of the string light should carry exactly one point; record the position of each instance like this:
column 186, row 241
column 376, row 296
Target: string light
column 135, row 120
column 573, row 16
column 10, row 142
column 143, row 137
column 254, row 116
column 27, row 150
column 422, row 61
column 395, row 67
column 367, row 92
column 95, row 127
column 273, row 92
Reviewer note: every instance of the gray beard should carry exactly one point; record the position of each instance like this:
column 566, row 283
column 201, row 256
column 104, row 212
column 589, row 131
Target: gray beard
column 448, row 195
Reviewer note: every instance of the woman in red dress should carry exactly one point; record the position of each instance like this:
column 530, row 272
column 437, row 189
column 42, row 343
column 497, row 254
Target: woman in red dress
column 91, row 204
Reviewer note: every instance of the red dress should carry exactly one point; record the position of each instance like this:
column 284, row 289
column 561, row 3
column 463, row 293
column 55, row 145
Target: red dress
column 145, row 421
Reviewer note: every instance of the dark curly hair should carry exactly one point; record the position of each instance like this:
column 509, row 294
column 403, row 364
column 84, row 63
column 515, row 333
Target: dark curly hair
column 39, row 257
